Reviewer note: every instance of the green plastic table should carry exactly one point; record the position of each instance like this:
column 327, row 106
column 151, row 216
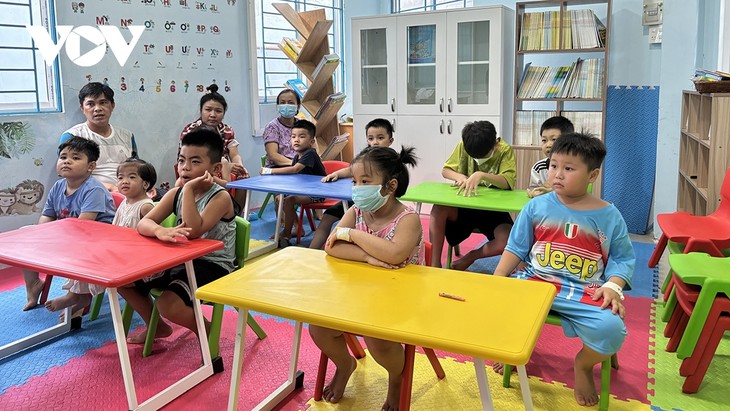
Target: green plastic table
column 444, row 194
column 713, row 275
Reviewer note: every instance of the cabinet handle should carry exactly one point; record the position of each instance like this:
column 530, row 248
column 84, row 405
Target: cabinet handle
column 392, row 123
column 448, row 128
column 441, row 105
column 392, row 105
column 441, row 127
column 449, row 106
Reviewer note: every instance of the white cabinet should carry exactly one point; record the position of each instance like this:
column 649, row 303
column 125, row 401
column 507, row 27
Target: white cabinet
column 431, row 73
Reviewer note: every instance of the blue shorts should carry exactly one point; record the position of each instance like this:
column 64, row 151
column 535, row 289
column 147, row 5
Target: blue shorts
column 600, row 329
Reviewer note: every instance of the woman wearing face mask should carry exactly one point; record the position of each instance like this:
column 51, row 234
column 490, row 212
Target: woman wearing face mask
column 277, row 134
column 379, row 230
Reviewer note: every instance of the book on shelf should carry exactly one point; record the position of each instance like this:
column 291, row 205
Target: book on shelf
column 528, row 123
column 298, row 86
column 527, row 126
column 710, row 75
column 330, row 100
column 582, row 79
column 335, row 147
column 326, row 59
column 291, row 47
column 580, row 29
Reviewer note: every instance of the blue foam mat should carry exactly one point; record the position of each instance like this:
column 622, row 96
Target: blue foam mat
column 19, row 368
column 632, row 115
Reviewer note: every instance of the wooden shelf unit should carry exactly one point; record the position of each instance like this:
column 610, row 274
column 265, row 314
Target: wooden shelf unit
column 312, row 28
column 527, row 155
column 703, row 150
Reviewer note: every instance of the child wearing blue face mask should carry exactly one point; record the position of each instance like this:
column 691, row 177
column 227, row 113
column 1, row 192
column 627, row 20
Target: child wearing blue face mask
column 481, row 158
column 379, row 230
column 277, row 134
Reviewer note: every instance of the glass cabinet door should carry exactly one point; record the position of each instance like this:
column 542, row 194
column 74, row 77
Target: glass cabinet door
column 374, row 65
column 474, row 85
column 422, row 79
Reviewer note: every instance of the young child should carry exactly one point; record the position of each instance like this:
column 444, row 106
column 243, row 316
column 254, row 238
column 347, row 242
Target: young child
column 75, row 195
column 381, row 231
column 581, row 244
column 116, row 144
column 481, row 158
column 550, row 130
column 379, row 134
column 306, row 161
column 204, row 210
column 134, row 179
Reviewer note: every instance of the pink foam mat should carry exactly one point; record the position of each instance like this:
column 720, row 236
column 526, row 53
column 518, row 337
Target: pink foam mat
column 94, row 380
column 10, row 278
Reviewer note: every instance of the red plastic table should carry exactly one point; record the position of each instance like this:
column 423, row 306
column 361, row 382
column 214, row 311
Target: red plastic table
column 111, row 256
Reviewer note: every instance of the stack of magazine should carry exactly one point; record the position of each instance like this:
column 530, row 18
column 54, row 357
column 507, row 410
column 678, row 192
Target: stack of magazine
column 330, row 100
column 291, row 47
column 582, row 79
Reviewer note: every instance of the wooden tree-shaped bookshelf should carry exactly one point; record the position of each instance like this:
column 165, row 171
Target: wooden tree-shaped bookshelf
column 312, row 27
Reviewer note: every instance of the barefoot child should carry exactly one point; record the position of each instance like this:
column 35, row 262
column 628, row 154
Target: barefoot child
column 204, row 210
column 134, row 179
column 581, row 244
column 75, row 195
column 306, row 161
column 379, row 134
column 381, row 231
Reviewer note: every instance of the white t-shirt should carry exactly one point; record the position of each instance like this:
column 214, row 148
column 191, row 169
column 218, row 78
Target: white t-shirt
column 119, row 146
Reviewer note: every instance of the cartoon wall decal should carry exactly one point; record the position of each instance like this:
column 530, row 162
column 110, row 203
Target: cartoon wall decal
column 16, row 138
column 7, row 199
column 37, row 162
column 172, row 86
column 158, row 85
column 123, row 86
column 186, row 84
column 227, row 88
column 75, row 6
column 81, row 7
column 27, row 195
column 141, row 82
column 88, row 78
column 105, row 81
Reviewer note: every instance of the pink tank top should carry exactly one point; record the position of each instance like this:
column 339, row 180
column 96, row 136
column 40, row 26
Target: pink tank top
column 417, row 256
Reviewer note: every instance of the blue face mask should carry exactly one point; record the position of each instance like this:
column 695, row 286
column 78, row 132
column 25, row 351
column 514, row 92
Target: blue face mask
column 368, row 197
column 287, row 110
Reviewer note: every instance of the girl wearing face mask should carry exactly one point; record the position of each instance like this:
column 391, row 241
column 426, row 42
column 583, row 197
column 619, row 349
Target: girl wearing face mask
column 381, row 231
column 277, row 134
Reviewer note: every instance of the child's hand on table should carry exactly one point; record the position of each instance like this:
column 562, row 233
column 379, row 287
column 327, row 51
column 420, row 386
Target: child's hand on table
column 469, row 185
column 329, row 177
column 378, row 263
column 177, row 234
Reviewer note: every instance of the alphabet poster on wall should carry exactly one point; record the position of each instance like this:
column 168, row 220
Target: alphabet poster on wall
column 185, row 45
column 182, row 47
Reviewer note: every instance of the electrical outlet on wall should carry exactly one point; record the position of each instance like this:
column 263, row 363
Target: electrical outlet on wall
column 655, row 34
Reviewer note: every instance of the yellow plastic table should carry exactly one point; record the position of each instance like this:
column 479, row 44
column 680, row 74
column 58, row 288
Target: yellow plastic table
column 399, row 305
column 494, row 199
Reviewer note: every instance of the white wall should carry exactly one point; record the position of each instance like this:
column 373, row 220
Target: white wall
column 156, row 118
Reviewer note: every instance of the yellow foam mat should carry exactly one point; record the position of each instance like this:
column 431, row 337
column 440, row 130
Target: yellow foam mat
column 458, row 391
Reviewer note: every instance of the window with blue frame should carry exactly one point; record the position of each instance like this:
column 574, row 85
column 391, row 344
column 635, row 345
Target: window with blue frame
column 406, row 6
column 273, row 67
column 27, row 83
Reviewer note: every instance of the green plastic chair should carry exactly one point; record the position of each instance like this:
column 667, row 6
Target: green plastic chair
column 612, row 362
column 243, row 231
